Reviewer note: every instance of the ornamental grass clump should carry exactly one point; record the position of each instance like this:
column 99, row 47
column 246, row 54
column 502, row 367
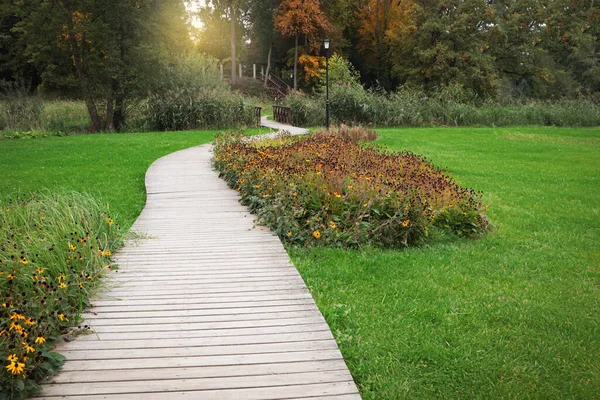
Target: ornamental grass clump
column 327, row 189
column 53, row 250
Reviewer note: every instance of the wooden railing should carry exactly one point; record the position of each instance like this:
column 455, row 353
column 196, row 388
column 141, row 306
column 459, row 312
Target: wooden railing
column 257, row 111
column 282, row 114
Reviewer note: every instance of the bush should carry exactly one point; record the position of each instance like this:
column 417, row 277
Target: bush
column 352, row 104
column 53, row 250
column 193, row 96
column 204, row 109
column 19, row 110
column 329, row 190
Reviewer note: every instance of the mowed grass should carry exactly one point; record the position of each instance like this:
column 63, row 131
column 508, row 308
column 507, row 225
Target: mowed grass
column 111, row 167
column 515, row 315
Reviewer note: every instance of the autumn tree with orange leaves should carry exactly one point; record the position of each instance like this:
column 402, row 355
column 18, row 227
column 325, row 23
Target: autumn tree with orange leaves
column 301, row 17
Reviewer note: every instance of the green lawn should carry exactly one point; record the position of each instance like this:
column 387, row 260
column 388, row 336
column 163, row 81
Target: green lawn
column 109, row 166
column 513, row 315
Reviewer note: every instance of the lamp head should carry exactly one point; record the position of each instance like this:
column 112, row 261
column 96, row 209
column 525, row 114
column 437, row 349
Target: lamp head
column 326, row 43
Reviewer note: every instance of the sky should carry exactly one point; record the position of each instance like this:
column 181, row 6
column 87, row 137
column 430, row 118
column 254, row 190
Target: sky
column 193, row 6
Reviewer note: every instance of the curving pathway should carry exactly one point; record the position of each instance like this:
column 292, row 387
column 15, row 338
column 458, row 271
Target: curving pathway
column 208, row 307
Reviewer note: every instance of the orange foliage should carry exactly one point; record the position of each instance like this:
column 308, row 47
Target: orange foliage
column 314, row 66
column 381, row 21
column 304, row 17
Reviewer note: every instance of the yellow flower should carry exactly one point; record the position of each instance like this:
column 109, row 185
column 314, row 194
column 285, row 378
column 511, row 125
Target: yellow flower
column 23, row 260
column 107, row 253
column 17, row 316
column 72, row 247
column 28, row 348
column 11, row 276
column 40, row 340
column 30, row 322
column 12, row 358
column 337, row 195
column 405, row 223
column 62, row 317
column 15, row 368
column 290, row 233
column 317, row 234
column 62, row 278
column 332, row 225
column 62, row 285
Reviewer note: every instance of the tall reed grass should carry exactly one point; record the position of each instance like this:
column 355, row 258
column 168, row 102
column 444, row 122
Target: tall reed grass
column 355, row 105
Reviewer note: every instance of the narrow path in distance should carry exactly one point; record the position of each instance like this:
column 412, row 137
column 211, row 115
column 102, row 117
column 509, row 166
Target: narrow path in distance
column 209, row 306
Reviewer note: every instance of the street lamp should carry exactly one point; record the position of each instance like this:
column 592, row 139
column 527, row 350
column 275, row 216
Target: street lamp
column 326, row 46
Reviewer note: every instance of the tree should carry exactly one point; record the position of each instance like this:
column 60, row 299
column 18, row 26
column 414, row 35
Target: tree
column 301, row 17
column 111, row 49
column 262, row 28
column 234, row 11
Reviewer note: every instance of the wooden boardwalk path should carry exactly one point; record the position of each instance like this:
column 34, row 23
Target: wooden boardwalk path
column 208, row 307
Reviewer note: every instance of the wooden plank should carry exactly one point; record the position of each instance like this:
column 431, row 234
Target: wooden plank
column 207, row 333
column 191, row 351
column 196, row 372
column 196, row 305
column 185, row 325
column 286, row 392
column 196, row 384
column 191, row 312
column 196, row 342
column 187, row 361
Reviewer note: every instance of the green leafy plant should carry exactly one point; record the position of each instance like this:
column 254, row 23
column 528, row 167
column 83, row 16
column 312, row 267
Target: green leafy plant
column 53, row 251
column 328, row 189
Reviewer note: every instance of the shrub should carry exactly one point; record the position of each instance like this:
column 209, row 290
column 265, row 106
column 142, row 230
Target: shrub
column 193, row 96
column 204, row 109
column 53, row 250
column 19, row 110
column 327, row 189
column 352, row 104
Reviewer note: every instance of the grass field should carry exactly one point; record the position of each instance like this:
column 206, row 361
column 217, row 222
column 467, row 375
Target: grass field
column 109, row 166
column 513, row 315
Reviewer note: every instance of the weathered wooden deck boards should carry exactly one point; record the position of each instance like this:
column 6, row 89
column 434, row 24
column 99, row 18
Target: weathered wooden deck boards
column 208, row 307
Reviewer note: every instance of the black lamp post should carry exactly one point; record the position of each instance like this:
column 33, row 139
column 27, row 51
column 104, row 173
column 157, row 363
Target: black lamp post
column 326, row 46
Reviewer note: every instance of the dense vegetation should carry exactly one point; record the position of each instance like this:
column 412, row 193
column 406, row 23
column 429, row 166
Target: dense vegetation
column 53, row 251
column 329, row 190
column 459, row 58
column 356, row 105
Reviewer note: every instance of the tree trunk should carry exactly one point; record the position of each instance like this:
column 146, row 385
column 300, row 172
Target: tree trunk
column 296, row 64
column 268, row 64
column 233, row 55
column 110, row 105
column 119, row 111
column 85, row 90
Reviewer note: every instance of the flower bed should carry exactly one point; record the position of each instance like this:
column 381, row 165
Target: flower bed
column 53, row 250
column 326, row 189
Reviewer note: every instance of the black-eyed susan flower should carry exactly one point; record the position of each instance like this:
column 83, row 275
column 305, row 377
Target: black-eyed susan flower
column 15, row 368
column 317, row 234
column 62, row 317
column 332, row 225
column 405, row 223
column 40, row 340
column 28, row 349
